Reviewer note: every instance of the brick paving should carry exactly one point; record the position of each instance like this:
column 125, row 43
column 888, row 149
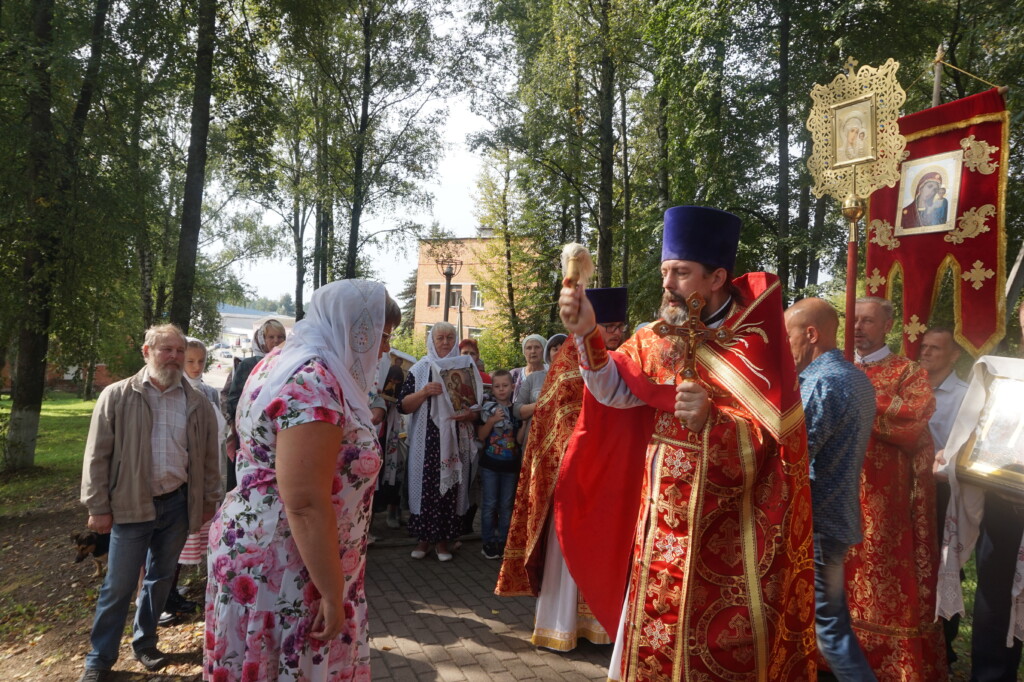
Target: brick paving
column 442, row 621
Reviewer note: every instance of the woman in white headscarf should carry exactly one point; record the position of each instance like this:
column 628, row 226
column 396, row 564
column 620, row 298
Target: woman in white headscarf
column 440, row 446
column 533, row 351
column 285, row 598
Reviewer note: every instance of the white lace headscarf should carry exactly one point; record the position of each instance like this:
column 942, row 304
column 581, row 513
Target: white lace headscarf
column 343, row 328
column 455, row 450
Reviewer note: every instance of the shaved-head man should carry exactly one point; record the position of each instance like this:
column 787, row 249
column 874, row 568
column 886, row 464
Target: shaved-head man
column 839, row 407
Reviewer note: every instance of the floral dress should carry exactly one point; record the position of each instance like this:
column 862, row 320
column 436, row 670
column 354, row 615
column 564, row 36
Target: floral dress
column 260, row 601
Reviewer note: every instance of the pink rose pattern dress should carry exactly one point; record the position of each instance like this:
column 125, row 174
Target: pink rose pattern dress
column 260, row 601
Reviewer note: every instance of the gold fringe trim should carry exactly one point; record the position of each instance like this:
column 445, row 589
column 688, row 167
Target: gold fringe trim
column 957, row 125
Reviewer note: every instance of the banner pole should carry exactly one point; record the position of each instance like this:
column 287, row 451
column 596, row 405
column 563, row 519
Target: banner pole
column 853, row 211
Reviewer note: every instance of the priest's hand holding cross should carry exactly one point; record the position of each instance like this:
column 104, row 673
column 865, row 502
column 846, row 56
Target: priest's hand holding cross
column 693, row 405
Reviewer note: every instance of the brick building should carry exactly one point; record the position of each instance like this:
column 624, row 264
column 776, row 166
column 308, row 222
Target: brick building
column 467, row 303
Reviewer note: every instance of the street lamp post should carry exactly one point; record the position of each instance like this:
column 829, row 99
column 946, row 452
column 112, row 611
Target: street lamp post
column 448, row 268
column 448, row 274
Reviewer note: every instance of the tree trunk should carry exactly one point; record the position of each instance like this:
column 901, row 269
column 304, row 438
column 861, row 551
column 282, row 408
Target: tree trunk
column 513, row 315
column 298, row 234
column 664, row 193
column 802, row 227
column 29, row 376
column 564, row 230
column 90, row 367
column 606, row 151
column 328, row 265
column 782, row 101
column 626, row 194
column 195, row 172
column 813, row 262
column 51, row 173
column 358, row 179
column 575, row 143
column 318, row 247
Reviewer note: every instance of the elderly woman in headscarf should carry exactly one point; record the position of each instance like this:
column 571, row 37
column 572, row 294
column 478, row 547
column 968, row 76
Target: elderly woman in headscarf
column 533, row 351
column 269, row 336
column 529, row 391
column 285, row 598
column 440, row 447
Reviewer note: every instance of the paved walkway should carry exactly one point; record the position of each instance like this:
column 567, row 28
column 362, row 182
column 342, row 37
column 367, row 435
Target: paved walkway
column 442, row 621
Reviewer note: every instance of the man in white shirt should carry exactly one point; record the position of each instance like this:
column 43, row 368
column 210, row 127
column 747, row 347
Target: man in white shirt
column 939, row 355
column 150, row 475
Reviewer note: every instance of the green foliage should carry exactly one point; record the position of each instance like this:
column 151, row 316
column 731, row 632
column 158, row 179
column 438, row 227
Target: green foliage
column 64, row 425
column 500, row 352
column 415, row 345
column 699, row 92
column 282, row 306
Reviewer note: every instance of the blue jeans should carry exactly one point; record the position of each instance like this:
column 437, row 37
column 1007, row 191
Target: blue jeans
column 836, row 640
column 497, row 495
column 154, row 544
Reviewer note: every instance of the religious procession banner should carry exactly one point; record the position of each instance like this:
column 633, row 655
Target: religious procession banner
column 946, row 214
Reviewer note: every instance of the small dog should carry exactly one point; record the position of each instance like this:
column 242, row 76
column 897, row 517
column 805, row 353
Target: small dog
column 95, row 544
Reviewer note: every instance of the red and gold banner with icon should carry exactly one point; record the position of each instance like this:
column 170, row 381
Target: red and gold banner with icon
column 946, row 214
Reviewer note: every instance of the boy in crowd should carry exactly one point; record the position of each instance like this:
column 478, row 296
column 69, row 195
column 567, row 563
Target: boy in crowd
column 499, row 465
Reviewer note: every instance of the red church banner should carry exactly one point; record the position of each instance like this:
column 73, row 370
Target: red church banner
column 946, row 215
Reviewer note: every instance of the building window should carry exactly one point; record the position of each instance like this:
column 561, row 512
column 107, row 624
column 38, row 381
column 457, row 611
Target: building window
column 476, row 297
column 455, row 296
column 429, row 327
column 434, row 295
column 475, row 332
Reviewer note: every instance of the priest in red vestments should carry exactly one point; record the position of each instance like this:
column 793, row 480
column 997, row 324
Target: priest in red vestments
column 532, row 562
column 683, row 506
column 891, row 576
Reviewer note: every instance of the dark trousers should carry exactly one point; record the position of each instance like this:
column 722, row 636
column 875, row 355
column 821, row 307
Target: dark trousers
column 996, row 557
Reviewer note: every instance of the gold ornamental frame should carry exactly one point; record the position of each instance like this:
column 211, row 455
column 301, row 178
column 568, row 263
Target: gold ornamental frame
column 857, row 148
column 858, row 177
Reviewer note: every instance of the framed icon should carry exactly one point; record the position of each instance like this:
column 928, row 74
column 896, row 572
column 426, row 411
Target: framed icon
column 929, row 194
column 462, row 387
column 853, row 131
column 993, row 454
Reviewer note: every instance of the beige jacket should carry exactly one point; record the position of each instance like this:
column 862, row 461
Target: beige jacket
column 118, row 462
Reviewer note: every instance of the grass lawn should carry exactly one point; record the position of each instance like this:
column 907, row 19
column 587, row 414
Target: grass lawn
column 63, row 427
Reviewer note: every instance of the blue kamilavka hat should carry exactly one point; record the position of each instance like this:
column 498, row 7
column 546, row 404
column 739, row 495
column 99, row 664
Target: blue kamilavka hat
column 609, row 304
column 701, row 234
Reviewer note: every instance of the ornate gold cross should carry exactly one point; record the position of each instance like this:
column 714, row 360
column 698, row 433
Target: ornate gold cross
column 691, row 334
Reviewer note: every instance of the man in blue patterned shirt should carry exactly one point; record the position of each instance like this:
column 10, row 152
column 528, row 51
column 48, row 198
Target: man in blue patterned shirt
column 839, row 408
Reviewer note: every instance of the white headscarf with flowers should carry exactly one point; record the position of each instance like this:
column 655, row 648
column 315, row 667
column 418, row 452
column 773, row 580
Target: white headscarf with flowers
column 343, row 327
column 455, row 443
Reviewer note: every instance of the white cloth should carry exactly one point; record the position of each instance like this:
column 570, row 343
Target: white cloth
column 455, row 450
column 558, row 624
column 169, row 440
column 343, row 327
column 948, row 396
column 967, row 503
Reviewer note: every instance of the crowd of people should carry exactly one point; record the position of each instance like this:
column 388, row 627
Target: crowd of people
column 767, row 508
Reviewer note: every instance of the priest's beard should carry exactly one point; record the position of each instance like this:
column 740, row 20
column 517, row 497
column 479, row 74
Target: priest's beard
column 674, row 315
